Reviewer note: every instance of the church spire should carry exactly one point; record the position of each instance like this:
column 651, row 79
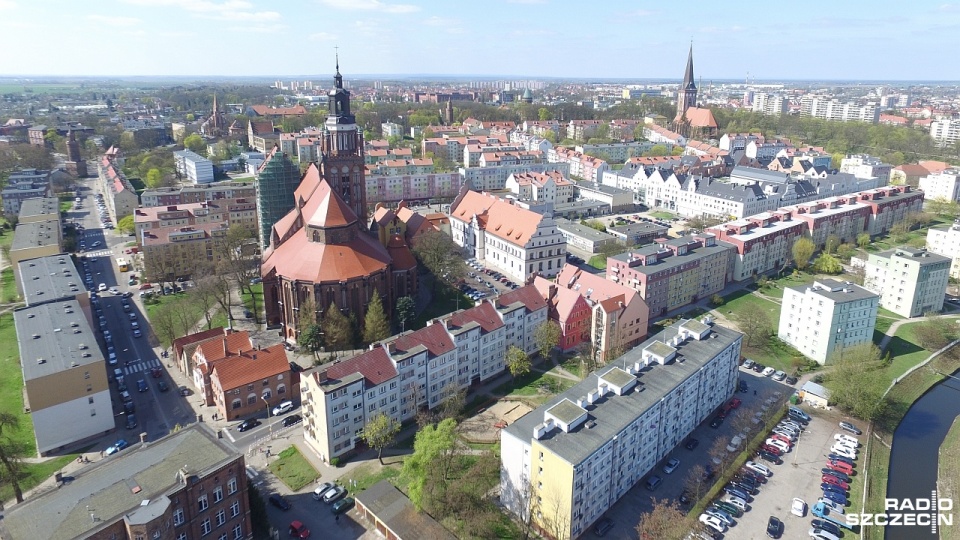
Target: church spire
column 688, row 74
column 338, row 79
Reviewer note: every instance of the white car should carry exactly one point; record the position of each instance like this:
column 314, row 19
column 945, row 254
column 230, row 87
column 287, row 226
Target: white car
column 768, row 372
column 846, row 444
column 789, row 427
column 834, row 507
column 102, row 287
column 821, row 534
column 777, row 443
column 844, row 451
column 671, row 465
column 713, row 522
column 779, row 376
column 283, row 408
column 799, row 507
column 852, row 440
column 758, row 467
column 791, row 423
column 114, row 290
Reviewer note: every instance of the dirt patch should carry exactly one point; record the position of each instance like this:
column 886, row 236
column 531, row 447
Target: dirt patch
column 485, row 426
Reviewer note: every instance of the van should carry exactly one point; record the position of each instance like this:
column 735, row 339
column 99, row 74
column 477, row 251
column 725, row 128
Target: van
column 798, row 414
column 654, row 482
column 736, row 501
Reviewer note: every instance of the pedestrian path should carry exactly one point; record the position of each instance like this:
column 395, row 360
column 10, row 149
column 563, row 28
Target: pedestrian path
column 141, row 366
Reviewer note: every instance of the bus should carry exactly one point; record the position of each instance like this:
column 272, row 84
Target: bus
column 123, row 265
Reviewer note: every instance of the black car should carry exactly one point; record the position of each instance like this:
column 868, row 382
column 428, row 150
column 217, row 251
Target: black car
column 759, row 368
column 826, row 526
column 842, row 459
column 746, row 480
column 715, row 423
column 691, row 444
column 603, row 526
column 836, row 474
column 791, row 380
column 774, row 527
column 249, row 423
column 767, row 456
column 292, row 419
column 743, row 387
column 685, row 497
column 279, row 502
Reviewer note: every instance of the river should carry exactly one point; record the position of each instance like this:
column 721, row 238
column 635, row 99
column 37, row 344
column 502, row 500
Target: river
column 914, row 457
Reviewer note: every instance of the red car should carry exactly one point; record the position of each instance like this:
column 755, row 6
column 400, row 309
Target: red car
column 734, row 403
column 772, row 449
column 299, row 530
column 840, row 466
column 156, row 373
column 783, row 439
column 830, row 479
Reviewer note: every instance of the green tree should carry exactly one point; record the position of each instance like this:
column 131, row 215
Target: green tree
column 827, row 264
column 376, row 327
column 126, row 225
column 517, row 361
column 12, row 454
column 846, row 251
column 865, row 365
column 544, row 114
column 311, row 340
column 379, row 432
column 338, row 333
column 596, row 224
column 802, row 250
column 832, row 243
column 405, row 311
column 676, row 151
column 439, row 254
column 154, row 178
column 190, row 117
column 755, row 323
column 547, row 336
column 551, row 136
column 665, row 521
column 863, row 240
column 195, row 143
column 433, row 450
column 657, row 150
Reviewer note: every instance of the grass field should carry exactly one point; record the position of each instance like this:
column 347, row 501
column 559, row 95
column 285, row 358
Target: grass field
column 293, row 469
column 598, row 261
column 11, row 386
column 183, row 302
column 8, row 286
column 248, row 299
column 659, row 214
column 444, row 301
column 362, row 477
column 533, row 384
column 948, row 476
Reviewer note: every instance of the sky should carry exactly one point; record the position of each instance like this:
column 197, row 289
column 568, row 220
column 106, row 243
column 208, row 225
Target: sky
column 639, row 39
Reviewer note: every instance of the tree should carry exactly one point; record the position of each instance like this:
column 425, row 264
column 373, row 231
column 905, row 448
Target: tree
column 433, row 449
column 405, row 311
column 452, row 405
column 846, row 251
column 696, row 482
column 703, row 221
column 827, row 264
column 755, row 323
column 864, row 365
column 719, row 454
column 338, row 334
column 154, row 178
column 311, row 339
column 665, row 521
column 195, row 143
column 547, row 336
column 206, row 294
column 439, row 254
column 587, row 352
column 935, row 334
column 12, row 453
column 832, row 243
column 517, row 361
column 379, row 432
column 236, row 251
column 125, row 225
column 596, row 224
column 376, row 327
column 544, row 114
column 657, row 150
column 551, row 136
column 802, row 250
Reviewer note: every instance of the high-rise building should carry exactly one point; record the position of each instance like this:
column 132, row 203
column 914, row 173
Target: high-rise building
column 277, row 179
column 910, row 282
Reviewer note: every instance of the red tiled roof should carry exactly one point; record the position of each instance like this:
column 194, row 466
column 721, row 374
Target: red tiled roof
column 434, row 337
column 181, row 343
column 299, row 259
column 383, row 215
column 263, row 110
column 400, row 253
column 260, row 128
column 700, row 117
column 527, row 295
column 222, row 346
column 485, row 315
column 251, row 366
column 375, row 366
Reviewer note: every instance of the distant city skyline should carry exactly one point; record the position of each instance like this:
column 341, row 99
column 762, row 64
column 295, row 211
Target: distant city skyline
column 517, row 39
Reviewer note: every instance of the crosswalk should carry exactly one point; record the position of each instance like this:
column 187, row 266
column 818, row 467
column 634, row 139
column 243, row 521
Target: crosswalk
column 141, row 366
column 98, row 253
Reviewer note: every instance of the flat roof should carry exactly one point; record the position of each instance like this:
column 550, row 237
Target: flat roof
column 583, row 231
column 39, row 206
column 612, row 414
column 618, row 377
column 46, row 279
column 392, row 508
column 36, row 234
column 116, row 486
column 755, row 232
column 56, row 333
column 921, row 256
column 566, row 411
column 671, row 260
column 836, row 291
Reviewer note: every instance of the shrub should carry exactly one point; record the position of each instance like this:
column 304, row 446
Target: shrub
column 717, row 300
column 335, row 462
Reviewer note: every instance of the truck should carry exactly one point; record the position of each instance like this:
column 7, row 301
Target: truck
column 821, row 511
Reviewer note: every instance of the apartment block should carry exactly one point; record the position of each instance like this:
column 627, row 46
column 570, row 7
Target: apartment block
column 946, row 241
column 494, row 177
column 822, row 319
column 39, row 209
column 617, row 152
column 941, row 185
column 672, row 273
column 229, row 212
column 189, row 484
column 865, row 166
column 582, row 166
column 412, row 187
column 763, row 242
column 167, row 196
column 472, row 153
column 118, row 194
column 910, row 282
column 193, row 167
column 22, row 185
column 945, row 131
column 35, row 239
column 401, row 167
column 522, row 311
column 569, row 309
column 178, row 251
column 582, row 237
column 549, row 187
column 570, row 460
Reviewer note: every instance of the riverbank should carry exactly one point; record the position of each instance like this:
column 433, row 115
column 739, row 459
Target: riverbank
column 948, row 475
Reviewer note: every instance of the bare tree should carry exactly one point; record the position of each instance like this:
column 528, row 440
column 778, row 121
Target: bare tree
column 206, row 294
column 719, row 455
column 665, row 521
column 237, row 248
column 696, row 482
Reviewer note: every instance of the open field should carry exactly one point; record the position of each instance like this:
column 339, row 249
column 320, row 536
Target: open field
column 483, row 427
column 293, row 469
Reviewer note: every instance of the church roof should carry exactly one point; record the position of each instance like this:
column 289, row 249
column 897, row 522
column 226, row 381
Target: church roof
column 688, row 82
column 320, row 207
column 315, row 262
column 700, row 117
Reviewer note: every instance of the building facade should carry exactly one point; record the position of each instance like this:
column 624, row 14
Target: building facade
column 911, row 282
column 277, row 180
column 229, row 212
column 946, row 241
column 570, row 310
column 941, row 185
column 193, row 167
column 118, row 194
column 168, row 196
column 22, row 185
column 822, row 319
column 413, row 187
column 567, row 462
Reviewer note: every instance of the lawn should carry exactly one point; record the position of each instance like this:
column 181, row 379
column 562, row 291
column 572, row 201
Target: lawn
column 35, row 473
column 660, row 214
column 8, row 286
column 183, row 302
column 444, row 302
column 293, row 469
column 362, row 477
column 778, row 285
column 66, row 206
column 598, row 261
column 904, row 350
column 11, row 386
column 533, row 384
column 948, row 477
column 777, row 354
column 248, row 299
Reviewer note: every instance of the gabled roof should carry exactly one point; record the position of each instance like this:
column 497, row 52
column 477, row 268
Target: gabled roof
column 434, row 337
column 375, row 366
column 402, row 257
column 225, row 345
column 321, row 207
column 526, row 295
column 700, row 117
column 484, row 315
column 251, row 366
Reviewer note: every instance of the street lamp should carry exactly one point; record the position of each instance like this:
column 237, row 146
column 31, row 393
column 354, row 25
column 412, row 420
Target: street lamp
column 269, row 424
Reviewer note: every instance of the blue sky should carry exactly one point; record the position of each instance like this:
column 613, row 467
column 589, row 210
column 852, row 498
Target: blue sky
column 839, row 39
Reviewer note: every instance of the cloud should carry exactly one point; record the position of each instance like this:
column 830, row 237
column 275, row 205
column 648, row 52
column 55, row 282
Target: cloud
column 114, row 20
column 227, row 10
column 370, row 5
column 7, row 4
column 322, row 36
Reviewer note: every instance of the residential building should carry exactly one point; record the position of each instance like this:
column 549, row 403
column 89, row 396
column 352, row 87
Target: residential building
column 118, row 194
column 193, row 167
column 35, row 239
column 373, row 155
column 494, row 177
column 941, row 185
column 188, row 484
column 582, row 237
column 890, row 205
column 770, row 104
column 180, row 251
column 911, row 282
column 823, row 319
column 518, row 242
column 617, row 152
column 549, row 187
column 39, row 209
column 262, row 135
column 582, row 130
column 570, row 310
column 946, row 241
column 638, row 234
column 277, row 180
column 661, row 135
column 391, row 129
column 566, row 463
column 229, row 212
column 60, row 351
column 24, row 184
column 763, row 242
column 619, row 200
column 50, row 279
column 36, row 135
column 945, row 131
column 908, row 173
column 865, row 166
column 522, row 311
column 582, row 166
column 413, row 187
column 400, row 167
column 169, row 196
column 620, row 315
column 672, row 273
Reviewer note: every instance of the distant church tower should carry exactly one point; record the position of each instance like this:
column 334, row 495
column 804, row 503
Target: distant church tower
column 342, row 148
column 449, row 113
column 687, row 93
column 75, row 164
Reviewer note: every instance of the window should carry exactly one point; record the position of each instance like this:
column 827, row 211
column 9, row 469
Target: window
column 236, row 404
column 251, row 399
column 205, row 527
column 178, row 517
column 235, row 509
column 232, row 486
column 221, row 517
column 223, row 536
column 202, row 503
column 182, row 536
column 281, row 390
column 218, row 494
column 267, row 394
column 238, row 532
column 90, row 400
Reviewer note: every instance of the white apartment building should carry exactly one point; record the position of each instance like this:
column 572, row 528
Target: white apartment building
column 833, row 109
column 910, row 282
column 864, row 166
column 941, row 185
column 826, row 317
column 415, row 369
column 494, row 177
column 566, row 463
column 391, row 129
column 549, row 187
column 770, row 104
column 194, row 167
column 503, row 236
column 946, row 241
column 946, row 131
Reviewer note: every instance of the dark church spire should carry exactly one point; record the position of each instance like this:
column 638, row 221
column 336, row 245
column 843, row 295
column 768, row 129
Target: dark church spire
column 688, row 74
column 338, row 79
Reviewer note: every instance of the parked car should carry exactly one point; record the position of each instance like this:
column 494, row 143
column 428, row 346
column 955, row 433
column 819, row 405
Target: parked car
column 691, row 443
column 840, row 466
column 822, row 534
column 837, row 457
column 825, row 525
column 291, row 420
column 847, row 426
column 277, row 500
column 715, row 423
column 653, row 482
column 846, row 439
column 742, row 386
column 779, row 375
column 837, row 474
column 774, row 527
column 713, row 522
column 768, row 372
column 299, row 530
column 248, row 424
column 758, row 368
column 671, row 465
column 131, row 421
column 827, row 504
column 162, row 386
column 734, row 511
column 748, row 363
column 342, row 505
column 830, row 479
column 769, row 457
column 334, row 494
column 844, row 451
column 116, row 447
column 603, row 526
column 836, row 497
column 282, row 408
column 791, row 380
column 798, row 507
column 726, row 518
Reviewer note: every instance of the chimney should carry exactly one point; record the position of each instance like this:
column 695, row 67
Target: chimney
column 322, row 376
column 552, row 292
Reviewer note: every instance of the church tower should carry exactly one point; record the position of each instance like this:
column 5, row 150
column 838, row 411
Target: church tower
column 687, row 94
column 342, row 148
